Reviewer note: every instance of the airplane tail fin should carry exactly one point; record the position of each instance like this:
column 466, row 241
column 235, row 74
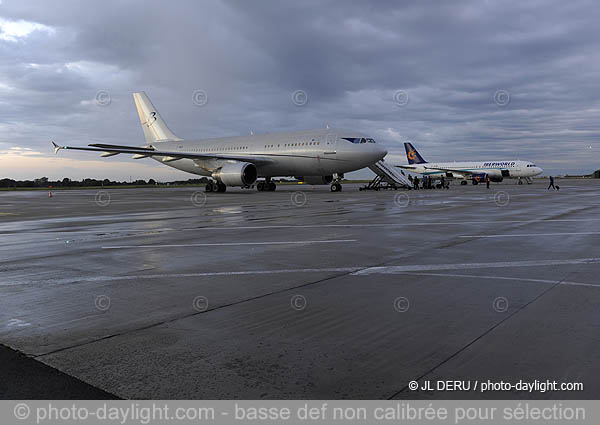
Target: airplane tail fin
column 412, row 155
column 155, row 129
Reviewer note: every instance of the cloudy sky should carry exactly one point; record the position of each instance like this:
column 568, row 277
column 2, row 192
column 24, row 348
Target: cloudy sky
column 460, row 79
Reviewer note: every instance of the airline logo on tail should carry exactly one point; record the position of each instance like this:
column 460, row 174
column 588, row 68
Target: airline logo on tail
column 153, row 117
column 412, row 155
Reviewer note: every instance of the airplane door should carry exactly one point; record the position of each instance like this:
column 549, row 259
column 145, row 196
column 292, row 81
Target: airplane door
column 330, row 144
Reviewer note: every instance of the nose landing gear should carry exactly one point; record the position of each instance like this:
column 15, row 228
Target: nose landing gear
column 336, row 186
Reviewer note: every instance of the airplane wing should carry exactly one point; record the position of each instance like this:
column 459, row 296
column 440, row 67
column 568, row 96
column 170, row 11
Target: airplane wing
column 413, row 167
column 456, row 173
column 465, row 173
column 142, row 152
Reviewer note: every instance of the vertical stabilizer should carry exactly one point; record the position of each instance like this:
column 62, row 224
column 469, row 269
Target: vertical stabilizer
column 412, row 155
column 155, row 129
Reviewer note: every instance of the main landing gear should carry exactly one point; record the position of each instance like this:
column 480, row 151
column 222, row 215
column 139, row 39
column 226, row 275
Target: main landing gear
column 266, row 186
column 215, row 187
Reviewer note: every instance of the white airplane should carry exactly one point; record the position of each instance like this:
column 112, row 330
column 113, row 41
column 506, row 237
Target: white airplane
column 314, row 156
column 476, row 171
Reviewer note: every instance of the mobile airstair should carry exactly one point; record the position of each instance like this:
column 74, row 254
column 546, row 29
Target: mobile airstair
column 387, row 177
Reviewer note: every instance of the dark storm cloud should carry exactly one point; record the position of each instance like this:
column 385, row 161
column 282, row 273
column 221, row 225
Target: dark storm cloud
column 450, row 58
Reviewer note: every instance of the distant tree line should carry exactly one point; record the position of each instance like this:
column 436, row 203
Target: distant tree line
column 43, row 182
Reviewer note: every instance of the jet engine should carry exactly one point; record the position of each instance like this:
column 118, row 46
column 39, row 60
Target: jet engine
column 236, row 174
column 316, row 180
column 480, row 177
column 497, row 176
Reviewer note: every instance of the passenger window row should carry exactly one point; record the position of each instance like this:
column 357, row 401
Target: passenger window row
column 240, row 148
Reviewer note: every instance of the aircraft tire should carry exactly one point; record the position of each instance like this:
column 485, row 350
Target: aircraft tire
column 336, row 187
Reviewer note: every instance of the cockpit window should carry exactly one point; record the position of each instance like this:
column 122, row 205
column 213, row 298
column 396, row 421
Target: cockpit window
column 359, row 139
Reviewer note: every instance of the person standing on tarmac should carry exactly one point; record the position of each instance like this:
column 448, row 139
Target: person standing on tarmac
column 551, row 185
column 487, row 181
column 416, row 183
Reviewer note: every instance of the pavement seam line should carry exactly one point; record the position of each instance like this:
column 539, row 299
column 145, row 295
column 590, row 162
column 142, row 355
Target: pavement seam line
column 198, row 313
column 488, row 331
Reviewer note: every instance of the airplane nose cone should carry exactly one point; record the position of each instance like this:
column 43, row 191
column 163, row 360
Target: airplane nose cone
column 538, row 170
column 381, row 152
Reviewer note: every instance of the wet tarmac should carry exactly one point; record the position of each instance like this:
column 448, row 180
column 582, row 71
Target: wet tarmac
column 303, row 293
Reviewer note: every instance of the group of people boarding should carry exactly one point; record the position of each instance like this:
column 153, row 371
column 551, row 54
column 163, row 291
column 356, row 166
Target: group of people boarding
column 427, row 182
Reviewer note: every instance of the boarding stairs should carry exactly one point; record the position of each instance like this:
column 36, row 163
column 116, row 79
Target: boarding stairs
column 387, row 177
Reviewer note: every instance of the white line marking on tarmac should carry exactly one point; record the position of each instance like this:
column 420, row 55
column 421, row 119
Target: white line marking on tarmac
column 355, row 271
column 8, row 231
column 522, row 235
column 17, row 323
column 520, row 279
column 229, row 244
column 441, row 223
column 199, row 274
column 581, row 284
column 503, row 264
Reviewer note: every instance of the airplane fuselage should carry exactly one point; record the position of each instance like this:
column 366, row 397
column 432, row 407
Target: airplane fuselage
column 494, row 169
column 303, row 153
